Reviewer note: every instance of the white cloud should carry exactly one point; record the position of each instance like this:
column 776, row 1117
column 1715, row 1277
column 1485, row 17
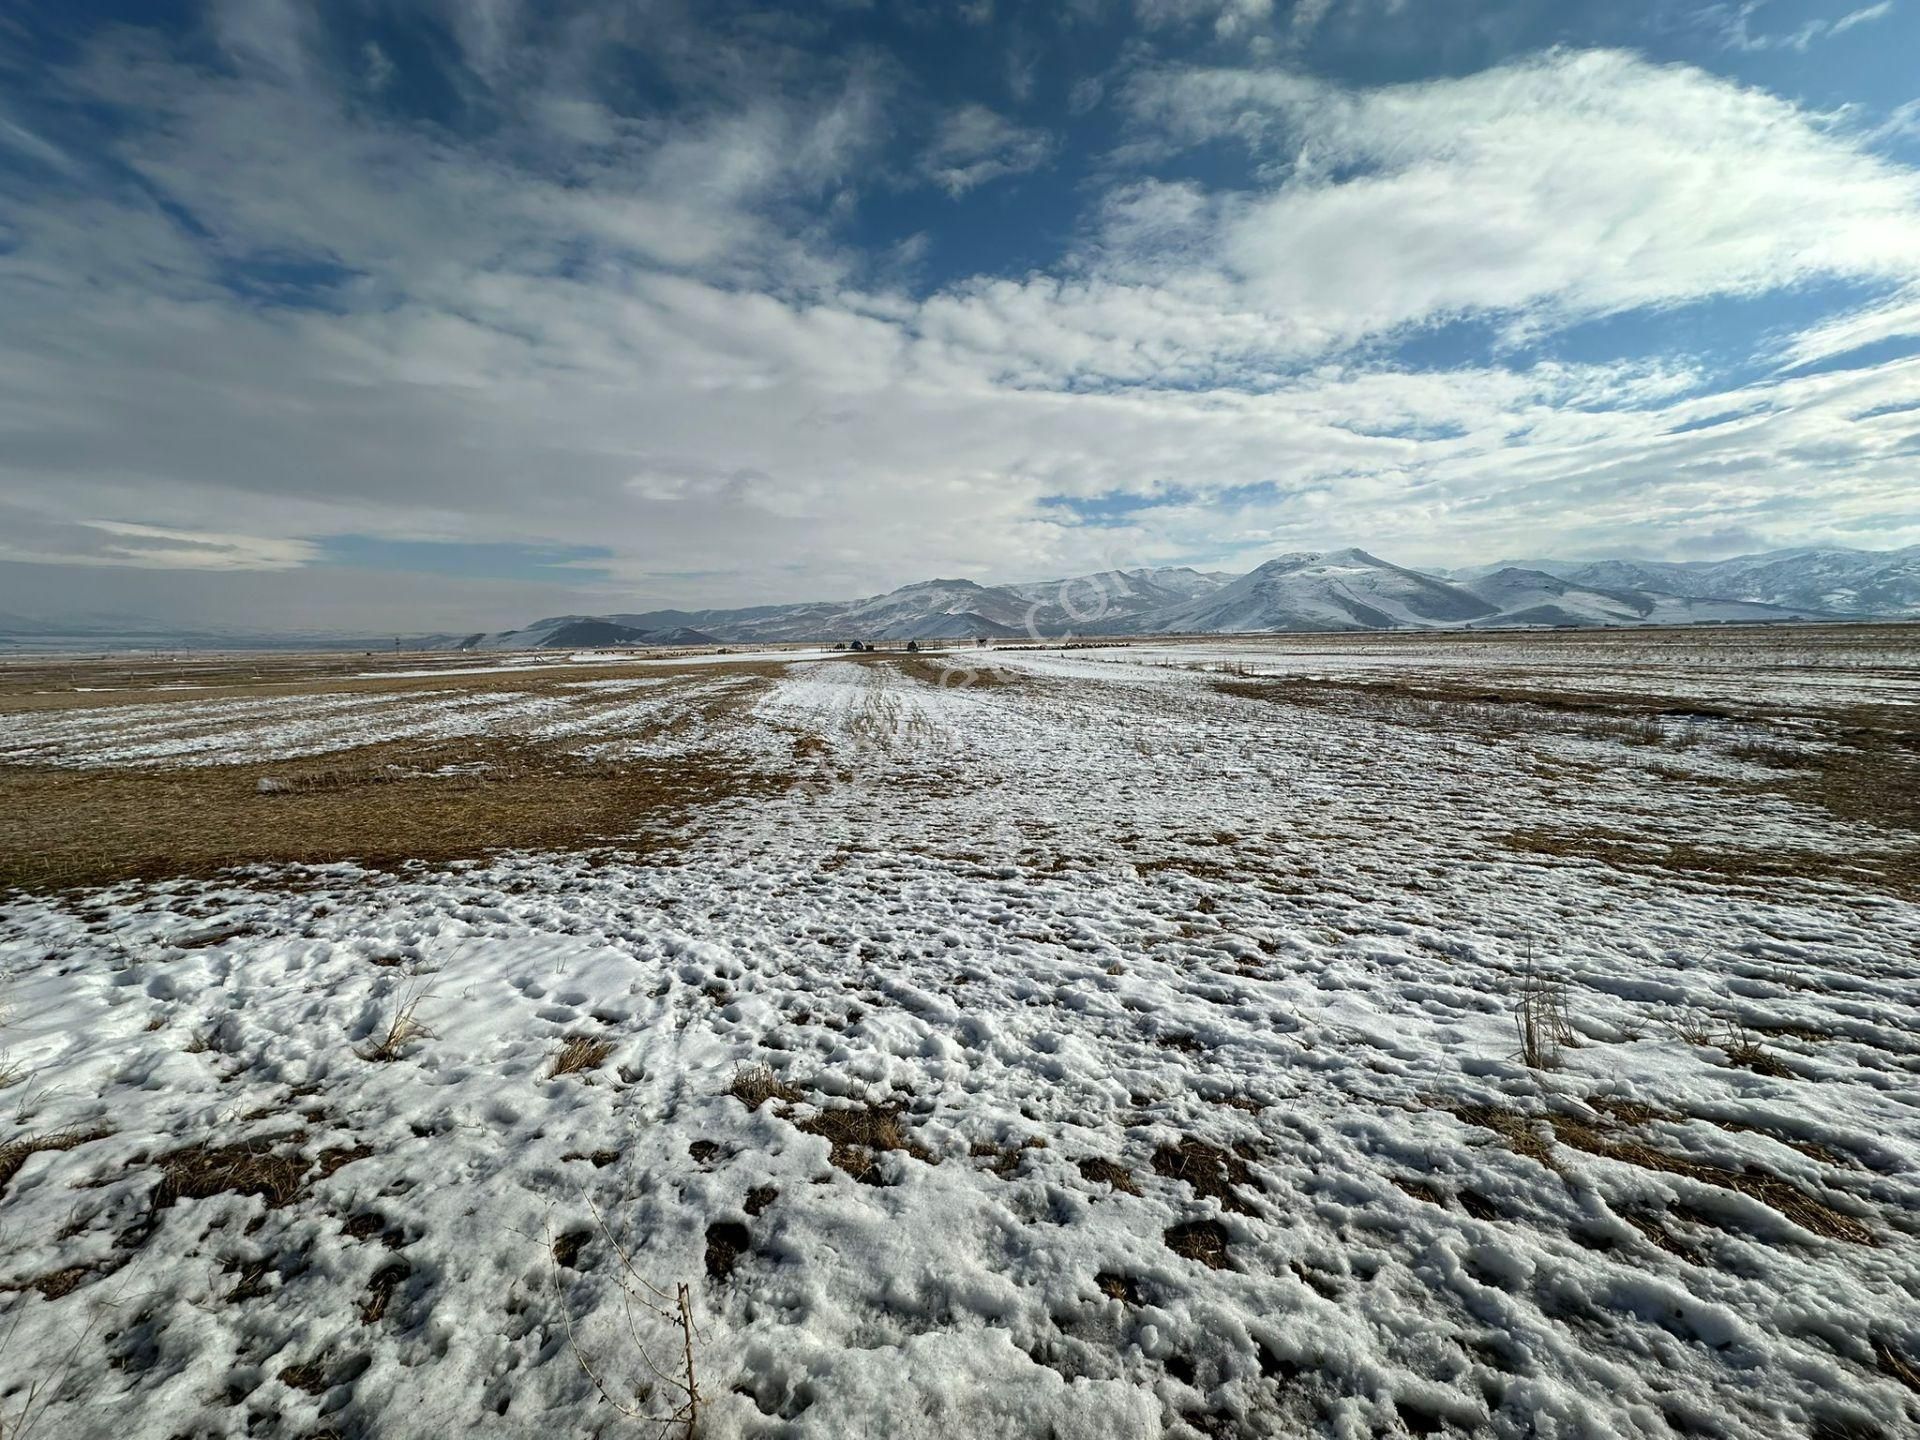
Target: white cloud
column 641, row 338
column 1581, row 183
column 1229, row 18
column 30, row 535
column 1735, row 25
column 1861, row 17
column 1894, row 318
column 23, row 141
column 974, row 145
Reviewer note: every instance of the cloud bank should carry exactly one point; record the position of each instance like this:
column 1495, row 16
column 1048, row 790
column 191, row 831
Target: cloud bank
column 757, row 314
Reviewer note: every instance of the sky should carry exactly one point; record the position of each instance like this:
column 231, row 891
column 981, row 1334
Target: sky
column 450, row 314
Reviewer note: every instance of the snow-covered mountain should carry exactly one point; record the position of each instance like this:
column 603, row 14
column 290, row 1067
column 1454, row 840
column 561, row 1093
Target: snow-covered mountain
column 578, row 632
column 925, row 610
column 1534, row 597
column 1321, row 590
column 1833, row 581
column 1331, row 590
column 1112, row 599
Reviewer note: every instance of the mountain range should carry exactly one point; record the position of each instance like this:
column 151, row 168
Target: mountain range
column 1334, row 590
column 1313, row 591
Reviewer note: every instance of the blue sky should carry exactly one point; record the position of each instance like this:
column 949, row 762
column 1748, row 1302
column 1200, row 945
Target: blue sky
column 382, row 314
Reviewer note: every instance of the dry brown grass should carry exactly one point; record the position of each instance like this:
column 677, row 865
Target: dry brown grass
column 1894, row 871
column 1005, row 1160
column 754, row 1085
column 272, row 1167
column 1771, row 752
column 577, row 1053
column 1202, row 1240
column 1871, row 775
column 1523, row 1135
column 1895, row 1365
column 962, row 670
column 404, row 1028
column 387, row 1279
column 1744, row 1050
column 380, row 805
column 727, row 1241
column 15, row 1153
column 1211, row 1171
column 1486, row 712
column 1102, row 1171
column 102, row 682
column 55, row 1284
column 859, row 1134
column 1540, row 1015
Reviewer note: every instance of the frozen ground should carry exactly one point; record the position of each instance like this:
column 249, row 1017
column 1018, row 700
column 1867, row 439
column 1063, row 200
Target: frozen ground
column 1139, row 1059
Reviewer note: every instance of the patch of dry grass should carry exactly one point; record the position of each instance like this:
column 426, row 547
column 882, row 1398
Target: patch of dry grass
column 1522, row 1134
column 15, row 1153
column 1211, row 1171
column 1490, row 712
column 961, row 670
column 1005, row 1160
column 1540, row 1015
column 404, row 1028
column 1102, row 1171
column 859, row 1134
column 1871, row 775
column 1202, row 1240
column 754, row 1085
column 272, row 1167
column 1894, row 871
column 381, row 805
column 1895, row 1365
column 727, row 1241
column 1744, row 1050
column 387, row 1279
column 577, row 1053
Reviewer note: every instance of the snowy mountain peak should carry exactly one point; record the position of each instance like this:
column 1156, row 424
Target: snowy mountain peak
column 1343, row 589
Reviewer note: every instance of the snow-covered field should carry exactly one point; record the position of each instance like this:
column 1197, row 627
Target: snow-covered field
column 1107, row 1048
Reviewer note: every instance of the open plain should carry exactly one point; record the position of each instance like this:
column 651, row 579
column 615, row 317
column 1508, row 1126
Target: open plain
column 1474, row 1034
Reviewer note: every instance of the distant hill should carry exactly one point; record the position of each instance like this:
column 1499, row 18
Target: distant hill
column 1333, row 590
column 1883, row 584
